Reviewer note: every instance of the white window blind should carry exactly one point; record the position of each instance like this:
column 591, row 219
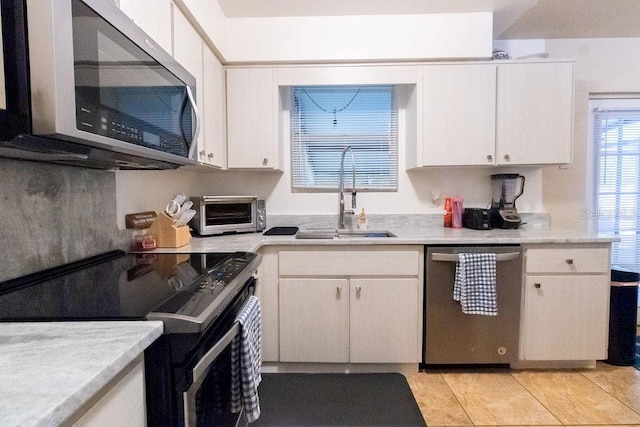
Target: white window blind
column 325, row 119
column 617, row 178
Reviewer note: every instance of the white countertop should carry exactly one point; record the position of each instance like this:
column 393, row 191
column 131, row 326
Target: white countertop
column 48, row 370
column 407, row 233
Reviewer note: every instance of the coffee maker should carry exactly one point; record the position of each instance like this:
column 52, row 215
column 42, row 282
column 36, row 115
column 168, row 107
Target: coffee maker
column 504, row 192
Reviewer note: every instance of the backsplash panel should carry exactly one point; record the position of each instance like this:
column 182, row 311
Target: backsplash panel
column 54, row 214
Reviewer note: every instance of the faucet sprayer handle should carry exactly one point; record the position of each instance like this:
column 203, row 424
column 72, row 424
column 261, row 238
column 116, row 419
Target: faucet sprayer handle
column 353, row 198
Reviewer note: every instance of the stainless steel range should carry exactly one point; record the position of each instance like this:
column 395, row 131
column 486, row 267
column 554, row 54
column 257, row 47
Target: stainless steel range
column 196, row 295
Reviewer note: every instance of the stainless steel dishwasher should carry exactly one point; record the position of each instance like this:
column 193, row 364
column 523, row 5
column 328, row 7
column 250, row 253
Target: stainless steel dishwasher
column 452, row 337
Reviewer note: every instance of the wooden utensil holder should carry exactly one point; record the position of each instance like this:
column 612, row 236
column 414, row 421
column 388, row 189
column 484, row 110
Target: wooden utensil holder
column 167, row 234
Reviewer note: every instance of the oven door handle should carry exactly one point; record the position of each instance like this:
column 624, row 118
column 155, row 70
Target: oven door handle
column 200, row 372
column 454, row 257
column 202, row 367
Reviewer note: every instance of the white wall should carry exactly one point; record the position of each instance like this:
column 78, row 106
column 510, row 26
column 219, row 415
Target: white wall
column 355, row 38
column 602, row 66
column 343, row 38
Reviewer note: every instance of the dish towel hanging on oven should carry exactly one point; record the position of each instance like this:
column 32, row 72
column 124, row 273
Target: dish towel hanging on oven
column 475, row 283
column 246, row 361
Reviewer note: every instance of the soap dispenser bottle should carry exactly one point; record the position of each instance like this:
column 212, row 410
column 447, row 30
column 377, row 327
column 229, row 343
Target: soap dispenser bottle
column 363, row 222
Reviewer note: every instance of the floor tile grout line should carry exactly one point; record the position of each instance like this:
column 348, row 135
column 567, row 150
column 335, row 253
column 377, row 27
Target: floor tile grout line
column 457, row 398
column 537, row 400
column 611, row 395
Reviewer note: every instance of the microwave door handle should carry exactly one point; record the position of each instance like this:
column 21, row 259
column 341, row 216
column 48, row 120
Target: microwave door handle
column 194, row 141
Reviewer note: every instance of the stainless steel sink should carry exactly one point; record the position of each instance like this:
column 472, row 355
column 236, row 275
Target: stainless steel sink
column 348, row 234
column 332, row 233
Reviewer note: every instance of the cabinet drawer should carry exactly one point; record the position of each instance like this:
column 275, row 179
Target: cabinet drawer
column 350, row 263
column 567, row 260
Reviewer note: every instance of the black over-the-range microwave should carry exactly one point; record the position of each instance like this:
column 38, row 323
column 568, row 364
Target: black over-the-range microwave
column 84, row 85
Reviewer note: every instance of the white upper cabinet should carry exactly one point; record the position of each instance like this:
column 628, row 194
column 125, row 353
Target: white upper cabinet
column 213, row 116
column 253, row 119
column 153, row 17
column 195, row 55
column 494, row 114
column 458, row 114
column 187, row 50
column 534, row 113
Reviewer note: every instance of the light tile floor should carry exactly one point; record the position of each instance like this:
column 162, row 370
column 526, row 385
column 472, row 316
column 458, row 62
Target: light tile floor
column 602, row 396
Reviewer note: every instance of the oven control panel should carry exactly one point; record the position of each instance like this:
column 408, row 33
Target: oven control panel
column 223, row 273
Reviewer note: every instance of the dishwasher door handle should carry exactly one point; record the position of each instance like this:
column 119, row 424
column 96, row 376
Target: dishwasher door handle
column 509, row 256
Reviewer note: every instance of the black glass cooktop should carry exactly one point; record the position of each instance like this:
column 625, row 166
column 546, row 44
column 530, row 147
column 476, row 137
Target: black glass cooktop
column 120, row 286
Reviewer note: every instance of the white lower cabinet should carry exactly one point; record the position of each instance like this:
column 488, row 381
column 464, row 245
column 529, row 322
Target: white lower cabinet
column 350, row 305
column 565, row 312
column 314, row 324
column 384, row 319
column 121, row 403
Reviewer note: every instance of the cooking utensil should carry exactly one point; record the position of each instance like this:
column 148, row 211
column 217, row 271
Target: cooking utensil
column 173, row 207
column 184, row 218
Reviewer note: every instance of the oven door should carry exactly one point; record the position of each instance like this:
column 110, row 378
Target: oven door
column 207, row 400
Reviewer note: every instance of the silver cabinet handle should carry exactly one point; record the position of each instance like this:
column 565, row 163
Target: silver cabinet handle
column 510, row 256
column 537, row 285
column 569, row 261
column 507, row 157
column 196, row 131
column 265, row 161
column 358, row 290
column 338, row 290
column 490, row 157
column 210, row 155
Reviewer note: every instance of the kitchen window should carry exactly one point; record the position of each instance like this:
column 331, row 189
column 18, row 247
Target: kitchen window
column 616, row 138
column 325, row 119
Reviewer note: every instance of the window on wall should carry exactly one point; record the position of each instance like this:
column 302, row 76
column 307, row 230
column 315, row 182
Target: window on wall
column 616, row 138
column 326, row 119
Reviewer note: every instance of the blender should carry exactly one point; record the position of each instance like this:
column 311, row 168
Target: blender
column 505, row 189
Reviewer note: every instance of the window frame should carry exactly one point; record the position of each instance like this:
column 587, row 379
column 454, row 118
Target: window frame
column 390, row 180
column 620, row 250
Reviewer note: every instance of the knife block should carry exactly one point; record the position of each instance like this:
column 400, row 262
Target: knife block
column 167, row 234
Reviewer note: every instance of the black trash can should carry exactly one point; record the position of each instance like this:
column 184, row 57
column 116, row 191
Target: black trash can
column 623, row 311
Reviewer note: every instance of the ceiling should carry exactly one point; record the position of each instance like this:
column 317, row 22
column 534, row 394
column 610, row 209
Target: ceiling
column 513, row 19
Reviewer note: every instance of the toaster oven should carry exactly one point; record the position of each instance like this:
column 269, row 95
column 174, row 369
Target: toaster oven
column 228, row 214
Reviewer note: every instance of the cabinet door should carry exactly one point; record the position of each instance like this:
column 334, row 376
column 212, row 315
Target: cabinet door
column 565, row 317
column 534, row 113
column 314, row 320
column 267, row 293
column 252, row 118
column 187, row 50
column 153, row 17
column 123, row 403
column 458, row 120
column 384, row 320
column 213, row 117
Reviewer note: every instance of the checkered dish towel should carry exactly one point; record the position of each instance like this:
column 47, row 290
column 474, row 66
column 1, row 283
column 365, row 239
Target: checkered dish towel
column 475, row 283
column 246, row 361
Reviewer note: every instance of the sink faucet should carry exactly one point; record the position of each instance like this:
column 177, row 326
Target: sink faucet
column 342, row 211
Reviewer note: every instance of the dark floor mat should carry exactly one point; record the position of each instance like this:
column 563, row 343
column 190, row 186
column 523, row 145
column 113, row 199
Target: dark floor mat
column 337, row 400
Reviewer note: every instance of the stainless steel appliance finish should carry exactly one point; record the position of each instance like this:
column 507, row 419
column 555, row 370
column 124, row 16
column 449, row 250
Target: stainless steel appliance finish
column 228, row 214
column 93, row 89
column 452, row 337
column 198, row 297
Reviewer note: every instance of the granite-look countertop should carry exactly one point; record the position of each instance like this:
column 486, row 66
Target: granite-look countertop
column 409, row 230
column 48, row 370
